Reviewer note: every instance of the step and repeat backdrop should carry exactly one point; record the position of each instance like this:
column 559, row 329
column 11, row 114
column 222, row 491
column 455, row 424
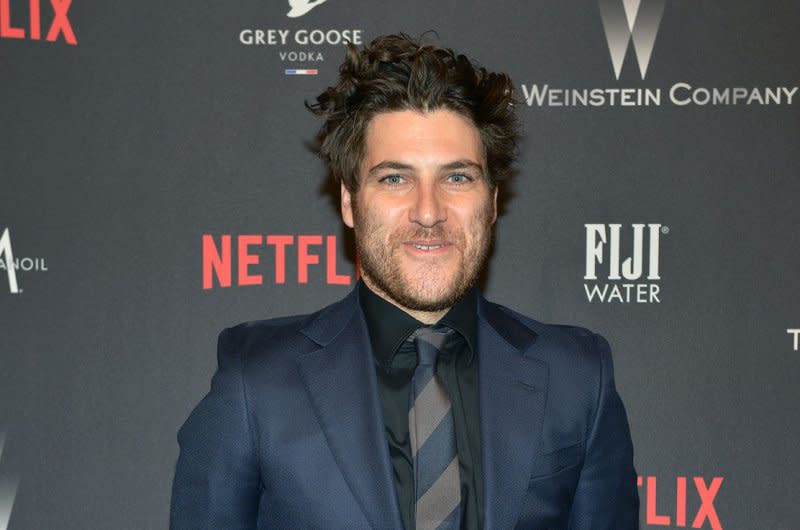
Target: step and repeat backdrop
column 156, row 186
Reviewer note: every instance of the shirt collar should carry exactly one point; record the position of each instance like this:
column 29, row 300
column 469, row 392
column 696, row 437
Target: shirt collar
column 389, row 326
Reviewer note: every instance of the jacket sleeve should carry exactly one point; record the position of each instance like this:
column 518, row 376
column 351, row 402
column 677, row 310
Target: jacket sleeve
column 217, row 478
column 607, row 496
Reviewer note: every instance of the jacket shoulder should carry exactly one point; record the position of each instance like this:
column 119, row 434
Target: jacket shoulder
column 558, row 333
column 276, row 338
column 579, row 365
column 575, row 355
column 245, row 331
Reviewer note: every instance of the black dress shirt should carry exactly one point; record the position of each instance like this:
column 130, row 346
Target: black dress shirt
column 395, row 361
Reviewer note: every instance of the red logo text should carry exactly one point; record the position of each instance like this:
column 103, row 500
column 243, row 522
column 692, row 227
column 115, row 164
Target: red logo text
column 12, row 27
column 656, row 514
column 280, row 252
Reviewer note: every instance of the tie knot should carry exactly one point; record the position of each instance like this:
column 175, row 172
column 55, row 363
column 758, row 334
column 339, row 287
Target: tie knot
column 429, row 341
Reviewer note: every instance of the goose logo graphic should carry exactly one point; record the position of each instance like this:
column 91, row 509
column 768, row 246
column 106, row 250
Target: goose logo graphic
column 626, row 20
column 301, row 7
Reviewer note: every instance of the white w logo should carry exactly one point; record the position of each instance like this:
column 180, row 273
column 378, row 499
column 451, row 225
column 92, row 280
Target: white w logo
column 624, row 20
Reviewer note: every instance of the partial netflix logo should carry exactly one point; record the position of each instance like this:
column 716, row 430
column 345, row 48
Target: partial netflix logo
column 31, row 20
column 680, row 502
column 272, row 259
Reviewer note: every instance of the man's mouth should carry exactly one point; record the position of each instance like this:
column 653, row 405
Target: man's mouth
column 427, row 247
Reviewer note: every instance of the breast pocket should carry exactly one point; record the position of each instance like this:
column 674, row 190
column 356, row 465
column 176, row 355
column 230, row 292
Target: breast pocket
column 551, row 488
column 555, row 462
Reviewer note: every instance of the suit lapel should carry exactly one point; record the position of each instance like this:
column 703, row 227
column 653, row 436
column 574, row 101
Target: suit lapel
column 513, row 392
column 341, row 383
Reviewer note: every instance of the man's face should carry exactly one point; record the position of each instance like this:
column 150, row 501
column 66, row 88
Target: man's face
column 424, row 210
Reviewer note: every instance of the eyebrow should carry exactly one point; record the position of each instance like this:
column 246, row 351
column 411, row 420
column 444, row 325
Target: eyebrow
column 388, row 164
column 463, row 164
column 450, row 166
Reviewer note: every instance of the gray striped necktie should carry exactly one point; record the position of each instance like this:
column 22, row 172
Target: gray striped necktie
column 437, row 487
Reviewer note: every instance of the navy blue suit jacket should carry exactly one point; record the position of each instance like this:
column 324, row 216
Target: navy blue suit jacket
column 291, row 434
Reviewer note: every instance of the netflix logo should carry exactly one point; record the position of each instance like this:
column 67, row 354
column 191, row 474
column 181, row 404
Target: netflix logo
column 15, row 13
column 267, row 258
column 686, row 502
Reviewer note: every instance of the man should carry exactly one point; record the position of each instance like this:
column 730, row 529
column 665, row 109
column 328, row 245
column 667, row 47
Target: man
column 413, row 402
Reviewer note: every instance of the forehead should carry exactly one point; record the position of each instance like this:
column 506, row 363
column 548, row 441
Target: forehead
column 422, row 138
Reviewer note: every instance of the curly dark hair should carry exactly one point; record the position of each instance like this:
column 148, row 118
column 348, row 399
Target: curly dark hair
column 397, row 72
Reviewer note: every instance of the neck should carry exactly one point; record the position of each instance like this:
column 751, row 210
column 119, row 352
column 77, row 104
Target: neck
column 426, row 317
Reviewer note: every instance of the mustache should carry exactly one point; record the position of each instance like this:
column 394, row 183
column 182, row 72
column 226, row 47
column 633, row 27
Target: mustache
column 437, row 232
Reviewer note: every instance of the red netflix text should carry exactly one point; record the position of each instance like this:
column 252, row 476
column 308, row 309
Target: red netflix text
column 12, row 20
column 700, row 493
column 279, row 253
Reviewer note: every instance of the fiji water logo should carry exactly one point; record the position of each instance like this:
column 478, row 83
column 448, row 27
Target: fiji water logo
column 613, row 276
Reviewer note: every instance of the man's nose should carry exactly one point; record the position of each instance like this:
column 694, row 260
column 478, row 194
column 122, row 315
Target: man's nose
column 429, row 207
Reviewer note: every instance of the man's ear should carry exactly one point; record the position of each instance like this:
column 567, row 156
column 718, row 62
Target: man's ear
column 347, row 206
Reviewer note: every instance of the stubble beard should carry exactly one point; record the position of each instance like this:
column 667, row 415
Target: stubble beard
column 423, row 289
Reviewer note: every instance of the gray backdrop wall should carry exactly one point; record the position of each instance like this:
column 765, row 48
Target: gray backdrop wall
column 156, row 186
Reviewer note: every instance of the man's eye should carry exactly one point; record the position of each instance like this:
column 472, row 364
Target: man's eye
column 393, row 180
column 459, row 178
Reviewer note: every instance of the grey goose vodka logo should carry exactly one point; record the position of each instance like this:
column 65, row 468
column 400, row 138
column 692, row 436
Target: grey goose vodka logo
column 301, row 49
column 631, row 20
